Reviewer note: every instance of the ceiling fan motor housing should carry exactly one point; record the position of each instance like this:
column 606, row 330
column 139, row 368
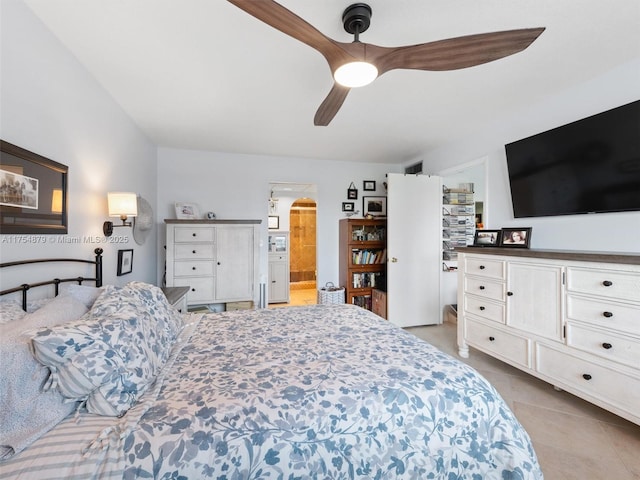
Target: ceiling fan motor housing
column 356, row 18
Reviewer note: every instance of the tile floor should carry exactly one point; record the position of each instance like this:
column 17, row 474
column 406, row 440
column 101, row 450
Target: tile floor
column 574, row 439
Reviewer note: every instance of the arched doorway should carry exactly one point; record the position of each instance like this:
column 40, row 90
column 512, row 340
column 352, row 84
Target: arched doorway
column 302, row 222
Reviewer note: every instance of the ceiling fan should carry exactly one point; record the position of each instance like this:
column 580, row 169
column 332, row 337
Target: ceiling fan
column 367, row 61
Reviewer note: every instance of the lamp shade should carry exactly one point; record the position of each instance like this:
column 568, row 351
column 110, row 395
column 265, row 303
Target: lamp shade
column 356, row 74
column 122, row 204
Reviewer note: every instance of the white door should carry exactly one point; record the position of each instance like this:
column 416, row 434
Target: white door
column 414, row 244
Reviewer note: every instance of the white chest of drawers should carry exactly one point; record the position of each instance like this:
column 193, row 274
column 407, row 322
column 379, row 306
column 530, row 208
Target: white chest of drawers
column 569, row 318
column 217, row 259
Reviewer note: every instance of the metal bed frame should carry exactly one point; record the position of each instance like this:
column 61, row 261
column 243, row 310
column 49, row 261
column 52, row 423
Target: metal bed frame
column 25, row 287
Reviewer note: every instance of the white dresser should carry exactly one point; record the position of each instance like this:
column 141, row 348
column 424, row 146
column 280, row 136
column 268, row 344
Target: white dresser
column 569, row 318
column 217, row 259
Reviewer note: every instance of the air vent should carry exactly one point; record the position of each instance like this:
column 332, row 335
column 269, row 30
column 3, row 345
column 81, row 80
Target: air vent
column 415, row 168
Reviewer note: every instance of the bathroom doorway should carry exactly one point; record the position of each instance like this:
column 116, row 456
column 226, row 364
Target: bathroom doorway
column 295, row 206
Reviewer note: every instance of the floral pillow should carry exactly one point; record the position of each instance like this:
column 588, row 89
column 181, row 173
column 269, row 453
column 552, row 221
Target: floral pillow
column 112, row 354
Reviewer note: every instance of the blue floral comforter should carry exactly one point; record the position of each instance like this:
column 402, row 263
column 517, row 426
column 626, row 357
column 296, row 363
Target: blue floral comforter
column 327, row 392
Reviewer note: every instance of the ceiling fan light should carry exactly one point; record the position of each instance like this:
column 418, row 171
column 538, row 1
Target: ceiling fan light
column 356, row 74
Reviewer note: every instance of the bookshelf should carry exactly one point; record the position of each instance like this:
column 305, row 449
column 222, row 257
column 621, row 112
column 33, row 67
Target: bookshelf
column 363, row 259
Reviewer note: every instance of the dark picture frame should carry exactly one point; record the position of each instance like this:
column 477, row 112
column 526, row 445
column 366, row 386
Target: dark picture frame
column 33, row 192
column 274, row 222
column 125, row 261
column 352, row 192
column 348, row 206
column 375, row 206
column 515, row 237
column 487, row 238
column 369, row 185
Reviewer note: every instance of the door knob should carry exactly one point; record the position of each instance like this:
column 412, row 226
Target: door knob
column 394, row 260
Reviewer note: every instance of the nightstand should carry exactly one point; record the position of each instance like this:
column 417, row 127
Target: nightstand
column 177, row 297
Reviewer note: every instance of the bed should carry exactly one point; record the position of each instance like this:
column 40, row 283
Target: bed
column 324, row 391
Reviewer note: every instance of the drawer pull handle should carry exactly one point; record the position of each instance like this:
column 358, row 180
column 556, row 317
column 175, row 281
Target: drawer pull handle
column 193, row 289
column 481, row 287
column 492, row 339
column 607, row 346
column 510, row 294
column 607, row 314
column 193, row 234
column 193, row 252
column 482, row 267
column 481, row 308
column 586, row 376
column 193, row 268
column 607, row 283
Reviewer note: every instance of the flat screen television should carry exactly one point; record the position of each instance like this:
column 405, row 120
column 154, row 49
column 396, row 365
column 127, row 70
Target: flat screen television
column 588, row 166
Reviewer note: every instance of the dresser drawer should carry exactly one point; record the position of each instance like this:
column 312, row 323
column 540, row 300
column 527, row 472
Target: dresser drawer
column 484, row 267
column 599, row 381
column 604, row 283
column 201, row 289
column 604, row 314
column 482, row 308
column 605, row 344
column 484, row 288
column 501, row 344
column 186, row 268
column 194, row 234
column 193, row 252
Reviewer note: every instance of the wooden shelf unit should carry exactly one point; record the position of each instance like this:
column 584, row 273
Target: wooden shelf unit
column 362, row 254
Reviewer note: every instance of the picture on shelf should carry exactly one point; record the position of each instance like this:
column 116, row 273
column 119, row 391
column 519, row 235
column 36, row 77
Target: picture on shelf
column 187, row 211
column 486, row 238
column 516, row 237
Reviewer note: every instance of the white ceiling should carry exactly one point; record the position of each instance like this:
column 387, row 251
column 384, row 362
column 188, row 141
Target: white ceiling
column 202, row 74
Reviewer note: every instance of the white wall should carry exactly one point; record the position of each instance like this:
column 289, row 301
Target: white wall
column 52, row 106
column 236, row 186
column 618, row 232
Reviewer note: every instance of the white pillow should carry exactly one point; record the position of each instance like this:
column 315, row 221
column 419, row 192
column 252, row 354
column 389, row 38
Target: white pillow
column 85, row 293
column 10, row 310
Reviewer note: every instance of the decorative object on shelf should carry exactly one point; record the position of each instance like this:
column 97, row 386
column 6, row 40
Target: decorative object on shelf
column 123, row 205
column 187, row 211
column 211, row 216
column 351, row 214
column 143, row 223
column 125, row 261
column 515, row 237
column 352, row 192
column 374, row 206
column 369, row 186
column 274, row 222
column 487, row 238
column 348, row 206
column 29, row 181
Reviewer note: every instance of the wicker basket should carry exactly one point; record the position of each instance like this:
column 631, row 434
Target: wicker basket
column 330, row 294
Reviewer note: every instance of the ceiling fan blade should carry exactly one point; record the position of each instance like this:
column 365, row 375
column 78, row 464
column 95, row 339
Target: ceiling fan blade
column 280, row 18
column 330, row 105
column 453, row 53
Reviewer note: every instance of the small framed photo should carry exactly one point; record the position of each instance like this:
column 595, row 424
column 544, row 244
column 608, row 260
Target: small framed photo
column 125, row 262
column 515, row 237
column 486, row 238
column 369, row 186
column 352, row 192
column 274, row 222
column 374, row 206
column 187, row 211
column 348, row 206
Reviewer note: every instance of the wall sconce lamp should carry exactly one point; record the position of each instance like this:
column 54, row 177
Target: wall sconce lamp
column 123, row 205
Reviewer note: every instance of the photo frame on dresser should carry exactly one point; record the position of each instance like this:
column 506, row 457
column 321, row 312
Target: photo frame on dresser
column 486, row 238
column 515, row 237
column 187, row 211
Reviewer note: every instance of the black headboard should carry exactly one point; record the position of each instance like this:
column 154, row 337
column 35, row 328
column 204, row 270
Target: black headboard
column 24, row 288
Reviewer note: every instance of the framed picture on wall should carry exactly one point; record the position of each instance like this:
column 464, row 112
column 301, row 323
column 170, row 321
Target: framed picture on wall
column 274, row 222
column 348, row 206
column 375, row 206
column 369, row 185
column 125, row 261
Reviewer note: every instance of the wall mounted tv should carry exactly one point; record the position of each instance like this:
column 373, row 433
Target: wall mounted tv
column 588, row 166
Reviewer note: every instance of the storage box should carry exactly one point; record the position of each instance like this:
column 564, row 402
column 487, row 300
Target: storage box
column 330, row 294
column 246, row 305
